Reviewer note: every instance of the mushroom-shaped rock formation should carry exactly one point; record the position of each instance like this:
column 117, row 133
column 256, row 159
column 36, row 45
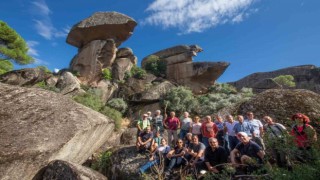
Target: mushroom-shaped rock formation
column 181, row 70
column 101, row 26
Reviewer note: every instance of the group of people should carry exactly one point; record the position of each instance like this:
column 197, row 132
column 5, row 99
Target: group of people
column 207, row 145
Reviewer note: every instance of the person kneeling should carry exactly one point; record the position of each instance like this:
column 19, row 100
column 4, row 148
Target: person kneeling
column 247, row 153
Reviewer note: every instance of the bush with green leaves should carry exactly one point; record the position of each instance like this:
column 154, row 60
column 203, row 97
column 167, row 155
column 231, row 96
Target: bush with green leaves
column 285, row 80
column 43, row 85
column 113, row 114
column 103, row 162
column 136, row 72
column 106, row 74
column 44, row 69
column 90, row 99
column 118, row 104
column 180, row 99
column 156, row 66
column 223, row 88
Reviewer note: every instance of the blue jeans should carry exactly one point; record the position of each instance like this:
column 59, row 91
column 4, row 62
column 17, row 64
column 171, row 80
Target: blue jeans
column 183, row 133
column 176, row 161
column 148, row 165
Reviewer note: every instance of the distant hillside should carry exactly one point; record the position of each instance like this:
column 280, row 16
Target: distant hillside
column 305, row 77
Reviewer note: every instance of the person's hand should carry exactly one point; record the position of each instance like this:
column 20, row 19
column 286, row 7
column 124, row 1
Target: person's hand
column 213, row 169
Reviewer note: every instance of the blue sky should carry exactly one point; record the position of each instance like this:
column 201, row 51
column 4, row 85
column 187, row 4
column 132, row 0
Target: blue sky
column 253, row 35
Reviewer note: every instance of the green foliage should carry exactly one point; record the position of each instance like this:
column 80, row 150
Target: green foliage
column 220, row 96
column 285, row 80
column 43, row 85
column 75, row 73
column 119, row 104
column 106, row 73
column 103, row 162
column 113, row 114
column 45, row 69
column 5, row 66
column 155, row 66
column 137, row 72
column 12, row 45
column 180, row 99
column 89, row 99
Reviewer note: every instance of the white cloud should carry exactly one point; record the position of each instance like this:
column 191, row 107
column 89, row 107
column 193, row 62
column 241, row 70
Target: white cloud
column 55, row 70
column 197, row 15
column 32, row 51
column 43, row 23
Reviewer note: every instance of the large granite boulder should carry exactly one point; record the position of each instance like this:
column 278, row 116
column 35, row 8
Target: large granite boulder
column 59, row 169
column 38, row 126
column 120, row 67
column 282, row 104
column 92, row 58
column 305, row 77
column 181, row 70
column 107, row 88
column 24, row 77
column 126, row 163
column 68, row 83
column 101, row 26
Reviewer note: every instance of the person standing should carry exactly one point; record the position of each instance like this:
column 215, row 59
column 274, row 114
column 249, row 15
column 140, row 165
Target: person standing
column 158, row 122
column 228, row 129
column 172, row 124
column 208, row 129
column 185, row 125
column 220, row 135
column 196, row 127
column 257, row 129
column 243, row 126
column 276, row 135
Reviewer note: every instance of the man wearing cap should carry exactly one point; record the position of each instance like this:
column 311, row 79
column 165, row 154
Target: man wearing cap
column 143, row 123
column 246, row 152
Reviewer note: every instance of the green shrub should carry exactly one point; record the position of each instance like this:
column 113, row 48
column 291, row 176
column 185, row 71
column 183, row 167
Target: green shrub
column 45, row 69
column 137, row 72
column 155, row 66
column 90, row 100
column 222, row 88
column 103, row 162
column 107, row 74
column 285, row 80
column 119, row 104
column 43, row 85
column 180, row 99
column 113, row 114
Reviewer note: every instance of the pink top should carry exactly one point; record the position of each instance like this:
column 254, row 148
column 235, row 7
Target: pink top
column 209, row 129
column 301, row 137
column 172, row 123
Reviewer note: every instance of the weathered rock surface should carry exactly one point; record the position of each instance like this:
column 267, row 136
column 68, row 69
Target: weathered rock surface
column 67, row 83
column 59, row 169
column 129, row 137
column 305, row 77
column 24, row 77
column 181, row 70
column 38, row 126
column 126, row 163
column 92, row 58
column 101, row 26
column 153, row 93
column 282, row 104
column 107, row 89
column 120, row 67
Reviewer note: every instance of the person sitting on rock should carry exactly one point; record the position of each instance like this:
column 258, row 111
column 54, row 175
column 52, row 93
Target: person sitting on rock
column 157, row 157
column 156, row 141
column 247, row 153
column 187, row 140
column 144, row 140
column 142, row 124
column 195, row 153
column 214, row 157
column 175, row 156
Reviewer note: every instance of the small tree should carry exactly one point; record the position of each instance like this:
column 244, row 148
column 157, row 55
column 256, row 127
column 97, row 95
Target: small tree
column 106, row 73
column 118, row 104
column 285, row 80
